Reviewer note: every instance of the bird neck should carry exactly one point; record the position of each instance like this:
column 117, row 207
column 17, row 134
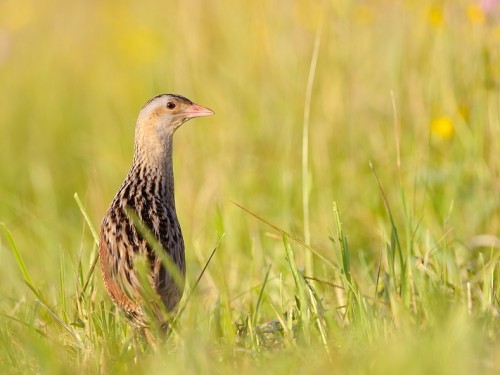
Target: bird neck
column 153, row 161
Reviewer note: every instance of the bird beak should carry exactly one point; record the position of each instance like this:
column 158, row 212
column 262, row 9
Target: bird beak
column 195, row 110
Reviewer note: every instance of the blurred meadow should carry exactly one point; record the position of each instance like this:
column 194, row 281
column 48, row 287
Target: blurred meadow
column 363, row 135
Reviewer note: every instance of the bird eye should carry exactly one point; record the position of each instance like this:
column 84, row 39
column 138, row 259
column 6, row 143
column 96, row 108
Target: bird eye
column 170, row 105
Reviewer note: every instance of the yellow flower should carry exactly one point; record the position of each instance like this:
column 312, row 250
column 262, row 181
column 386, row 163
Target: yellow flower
column 442, row 127
column 475, row 14
column 435, row 15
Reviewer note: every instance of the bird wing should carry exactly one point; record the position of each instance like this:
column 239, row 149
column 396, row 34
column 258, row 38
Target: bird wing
column 117, row 268
column 163, row 223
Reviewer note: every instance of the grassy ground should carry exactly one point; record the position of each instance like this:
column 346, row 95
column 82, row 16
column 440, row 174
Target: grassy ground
column 362, row 135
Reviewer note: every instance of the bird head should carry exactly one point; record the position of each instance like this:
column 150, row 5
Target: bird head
column 167, row 112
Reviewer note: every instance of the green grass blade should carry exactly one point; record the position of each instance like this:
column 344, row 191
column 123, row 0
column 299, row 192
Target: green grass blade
column 344, row 247
column 288, row 235
column 51, row 312
column 17, row 254
column 191, row 291
column 261, row 293
column 62, row 283
column 306, row 176
column 95, row 235
column 87, row 218
column 303, row 306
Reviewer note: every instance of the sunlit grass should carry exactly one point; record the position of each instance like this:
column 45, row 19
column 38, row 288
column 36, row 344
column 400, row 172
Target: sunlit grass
column 352, row 196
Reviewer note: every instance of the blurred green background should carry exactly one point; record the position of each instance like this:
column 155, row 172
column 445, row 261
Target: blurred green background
column 412, row 86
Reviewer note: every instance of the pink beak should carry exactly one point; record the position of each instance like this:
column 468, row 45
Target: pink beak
column 195, row 110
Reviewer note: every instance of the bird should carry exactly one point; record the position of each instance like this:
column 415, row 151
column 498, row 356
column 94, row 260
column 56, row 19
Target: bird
column 145, row 205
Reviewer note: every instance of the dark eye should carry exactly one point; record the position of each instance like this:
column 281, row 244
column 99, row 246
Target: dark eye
column 170, row 105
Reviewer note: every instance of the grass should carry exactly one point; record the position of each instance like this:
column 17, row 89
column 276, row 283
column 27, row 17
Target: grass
column 349, row 183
